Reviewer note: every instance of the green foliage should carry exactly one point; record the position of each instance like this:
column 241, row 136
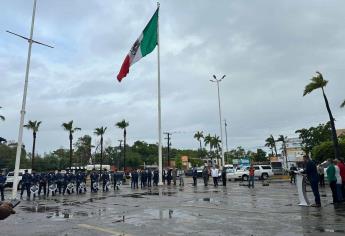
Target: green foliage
column 271, row 143
column 8, row 157
column 316, row 83
column 196, row 162
column 325, row 150
column 259, row 156
column 178, row 163
column 314, row 136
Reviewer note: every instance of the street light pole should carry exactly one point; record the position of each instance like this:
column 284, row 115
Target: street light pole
column 220, row 115
column 226, row 137
column 22, row 112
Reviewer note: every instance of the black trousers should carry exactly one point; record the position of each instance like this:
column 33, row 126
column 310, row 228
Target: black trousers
column 195, row 181
column 215, row 181
column 2, row 187
column 59, row 186
column 27, row 187
column 44, row 186
column 333, row 186
column 322, row 180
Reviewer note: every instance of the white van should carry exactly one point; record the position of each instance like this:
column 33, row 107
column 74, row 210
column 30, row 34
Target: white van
column 10, row 177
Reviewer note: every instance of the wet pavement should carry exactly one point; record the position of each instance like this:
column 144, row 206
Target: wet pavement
column 174, row 210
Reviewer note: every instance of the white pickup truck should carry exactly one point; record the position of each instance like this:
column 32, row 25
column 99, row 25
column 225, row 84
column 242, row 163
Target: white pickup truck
column 261, row 172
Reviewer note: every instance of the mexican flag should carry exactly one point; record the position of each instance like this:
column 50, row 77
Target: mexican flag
column 144, row 45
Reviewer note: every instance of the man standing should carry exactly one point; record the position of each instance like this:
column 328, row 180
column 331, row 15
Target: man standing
column 155, row 177
column 79, row 180
column 94, row 181
column 251, row 176
column 174, row 175
column 332, row 180
column 215, row 175
column 293, row 174
column 43, row 183
column 181, row 175
column 26, row 184
column 149, row 178
column 169, row 176
column 205, row 175
column 2, row 185
column 313, row 177
column 321, row 172
column 59, row 180
column 105, row 179
column 341, row 166
column 51, row 180
column 224, row 176
column 195, row 176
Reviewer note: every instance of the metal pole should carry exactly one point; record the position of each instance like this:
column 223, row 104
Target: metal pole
column 159, row 110
column 226, row 137
column 22, row 112
column 220, row 124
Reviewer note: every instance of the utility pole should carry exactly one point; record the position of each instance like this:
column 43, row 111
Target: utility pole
column 22, row 112
column 168, row 139
column 226, row 138
column 118, row 158
column 215, row 80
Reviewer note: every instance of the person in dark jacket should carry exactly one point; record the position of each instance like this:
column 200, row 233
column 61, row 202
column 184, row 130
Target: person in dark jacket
column 169, row 176
column 59, row 181
column 224, row 176
column 293, row 173
column 43, row 180
column 2, row 185
column 195, row 176
column 94, row 180
column 105, row 180
column 155, row 177
column 205, row 175
column 51, row 180
column 313, row 177
column 26, row 184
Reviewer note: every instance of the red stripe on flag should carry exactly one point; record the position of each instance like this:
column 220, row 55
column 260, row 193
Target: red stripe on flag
column 124, row 69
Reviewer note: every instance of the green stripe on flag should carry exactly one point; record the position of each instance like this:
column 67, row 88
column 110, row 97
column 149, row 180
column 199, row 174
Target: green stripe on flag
column 150, row 36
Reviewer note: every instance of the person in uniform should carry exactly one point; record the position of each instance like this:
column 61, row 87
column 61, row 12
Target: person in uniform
column 51, row 180
column 65, row 182
column 105, row 180
column 205, row 175
column 35, row 180
column 94, row 179
column 83, row 177
column 224, row 176
column 114, row 179
column 149, row 178
column 293, row 174
column 155, row 177
column 195, row 176
column 26, row 184
column 2, row 185
column 79, row 180
column 174, row 175
column 164, row 176
column 59, row 181
column 169, row 176
column 43, row 179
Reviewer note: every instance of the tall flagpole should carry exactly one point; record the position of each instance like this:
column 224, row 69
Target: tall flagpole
column 22, row 112
column 160, row 167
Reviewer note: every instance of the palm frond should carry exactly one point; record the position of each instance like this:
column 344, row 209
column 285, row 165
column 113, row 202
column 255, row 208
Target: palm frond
column 316, row 83
column 343, row 104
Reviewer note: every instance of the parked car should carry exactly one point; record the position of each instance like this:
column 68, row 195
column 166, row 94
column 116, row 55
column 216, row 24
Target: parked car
column 10, row 178
column 261, row 172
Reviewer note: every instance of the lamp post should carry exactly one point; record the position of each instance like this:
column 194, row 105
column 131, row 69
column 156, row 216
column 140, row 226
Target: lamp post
column 215, row 80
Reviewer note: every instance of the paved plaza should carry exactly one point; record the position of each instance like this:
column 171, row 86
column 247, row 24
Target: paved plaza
column 174, row 210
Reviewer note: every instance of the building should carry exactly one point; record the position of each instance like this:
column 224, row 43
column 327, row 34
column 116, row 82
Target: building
column 294, row 152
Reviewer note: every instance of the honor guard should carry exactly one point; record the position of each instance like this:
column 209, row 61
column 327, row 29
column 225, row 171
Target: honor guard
column 43, row 180
column 105, row 180
column 59, row 181
column 26, row 184
column 52, row 183
column 94, row 181
column 155, row 177
column 149, row 178
column 79, row 180
column 35, row 180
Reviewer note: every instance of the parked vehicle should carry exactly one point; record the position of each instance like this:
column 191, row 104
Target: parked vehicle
column 277, row 167
column 10, row 178
column 261, row 172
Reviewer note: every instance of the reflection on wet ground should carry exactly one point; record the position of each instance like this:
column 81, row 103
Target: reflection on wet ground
column 230, row 210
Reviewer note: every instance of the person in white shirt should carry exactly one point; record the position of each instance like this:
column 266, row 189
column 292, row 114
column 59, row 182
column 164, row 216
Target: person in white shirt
column 339, row 181
column 214, row 174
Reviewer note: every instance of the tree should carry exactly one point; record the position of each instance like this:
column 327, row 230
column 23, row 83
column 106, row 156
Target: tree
column 282, row 139
column 122, row 125
column 33, row 125
column 208, row 141
column 271, row 143
column 83, row 149
column 313, row 136
column 325, row 151
column 100, row 132
column 70, row 129
column 259, row 156
column 216, row 144
column 2, row 117
column 198, row 136
column 317, row 83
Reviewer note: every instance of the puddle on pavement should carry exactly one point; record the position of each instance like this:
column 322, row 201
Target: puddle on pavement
column 142, row 195
column 39, row 208
column 148, row 215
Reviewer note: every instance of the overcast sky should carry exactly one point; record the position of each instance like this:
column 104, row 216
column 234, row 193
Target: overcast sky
column 268, row 51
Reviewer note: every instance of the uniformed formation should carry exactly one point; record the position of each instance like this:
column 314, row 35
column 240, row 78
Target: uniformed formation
column 57, row 183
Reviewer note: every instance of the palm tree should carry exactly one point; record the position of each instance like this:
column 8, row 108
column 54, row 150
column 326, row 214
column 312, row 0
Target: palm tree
column 100, row 132
column 208, row 141
column 69, row 127
column 33, row 125
column 343, row 104
column 122, row 125
column 216, row 144
column 282, row 139
column 319, row 82
column 2, row 117
column 271, row 143
column 198, row 136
